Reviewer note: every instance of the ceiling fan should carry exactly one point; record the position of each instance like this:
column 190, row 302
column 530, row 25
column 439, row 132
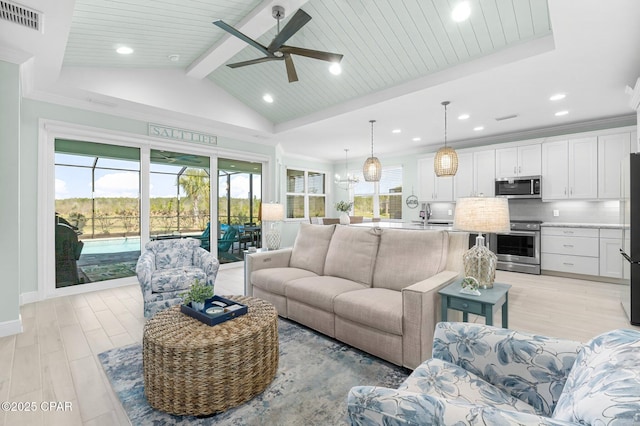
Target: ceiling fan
column 277, row 50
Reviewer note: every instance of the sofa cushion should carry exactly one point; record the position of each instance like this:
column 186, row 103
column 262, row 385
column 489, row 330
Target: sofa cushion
column 173, row 253
column 310, row 248
column 352, row 254
column 455, row 384
column 273, row 280
column 424, row 254
column 603, row 386
column 173, row 279
column 377, row 308
column 319, row 292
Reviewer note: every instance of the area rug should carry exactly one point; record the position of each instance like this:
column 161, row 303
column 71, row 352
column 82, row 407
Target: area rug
column 314, row 376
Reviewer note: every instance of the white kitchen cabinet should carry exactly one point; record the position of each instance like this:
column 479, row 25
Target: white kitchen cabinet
column 484, row 177
column 463, row 181
column 518, row 161
column 432, row 187
column 555, row 178
column 611, row 262
column 572, row 250
column 570, row 169
column 611, row 151
column 476, row 174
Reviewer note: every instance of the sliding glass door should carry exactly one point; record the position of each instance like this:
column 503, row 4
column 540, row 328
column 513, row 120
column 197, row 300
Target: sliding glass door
column 97, row 205
column 239, row 200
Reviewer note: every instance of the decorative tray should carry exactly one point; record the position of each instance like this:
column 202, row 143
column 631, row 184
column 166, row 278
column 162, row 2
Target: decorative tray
column 216, row 310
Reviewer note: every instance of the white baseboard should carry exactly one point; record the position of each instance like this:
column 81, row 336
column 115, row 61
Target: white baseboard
column 9, row 328
column 29, row 297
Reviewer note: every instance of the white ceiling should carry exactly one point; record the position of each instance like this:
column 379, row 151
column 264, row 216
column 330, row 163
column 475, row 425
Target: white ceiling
column 402, row 59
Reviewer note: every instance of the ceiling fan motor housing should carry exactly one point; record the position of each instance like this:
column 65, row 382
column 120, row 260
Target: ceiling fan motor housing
column 277, row 12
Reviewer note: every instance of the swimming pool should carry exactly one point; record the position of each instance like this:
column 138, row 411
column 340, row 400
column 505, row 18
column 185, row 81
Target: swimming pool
column 111, row 245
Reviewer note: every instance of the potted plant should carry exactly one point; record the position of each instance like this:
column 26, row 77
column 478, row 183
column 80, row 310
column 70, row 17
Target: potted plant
column 344, row 207
column 197, row 294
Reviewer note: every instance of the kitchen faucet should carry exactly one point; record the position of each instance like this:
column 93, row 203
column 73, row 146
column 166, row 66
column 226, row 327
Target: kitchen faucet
column 428, row 212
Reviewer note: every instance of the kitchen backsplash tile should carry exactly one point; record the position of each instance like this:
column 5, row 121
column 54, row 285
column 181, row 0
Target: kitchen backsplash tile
column 569, row 211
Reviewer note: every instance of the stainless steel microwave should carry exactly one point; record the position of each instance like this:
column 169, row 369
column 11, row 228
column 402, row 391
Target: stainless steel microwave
column 520, row 187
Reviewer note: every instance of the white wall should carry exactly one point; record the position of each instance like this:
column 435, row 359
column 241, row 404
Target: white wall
column 10, row 190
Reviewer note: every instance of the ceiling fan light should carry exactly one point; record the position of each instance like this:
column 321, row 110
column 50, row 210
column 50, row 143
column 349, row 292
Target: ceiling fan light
column 372, row 169
column 446, row 162
column 335, row 68
column 461, row 11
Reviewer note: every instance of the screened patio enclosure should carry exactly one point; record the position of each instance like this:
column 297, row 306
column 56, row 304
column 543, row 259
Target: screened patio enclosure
column 239, row 200
column 97, row 204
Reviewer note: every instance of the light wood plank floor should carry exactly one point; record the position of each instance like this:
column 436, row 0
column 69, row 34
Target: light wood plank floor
column 55, row 358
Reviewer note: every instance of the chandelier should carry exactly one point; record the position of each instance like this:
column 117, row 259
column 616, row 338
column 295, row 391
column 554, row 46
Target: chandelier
column 348, row 180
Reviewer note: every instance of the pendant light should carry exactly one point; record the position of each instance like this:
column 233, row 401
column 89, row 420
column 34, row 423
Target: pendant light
column 446, row 161
column 372, row 169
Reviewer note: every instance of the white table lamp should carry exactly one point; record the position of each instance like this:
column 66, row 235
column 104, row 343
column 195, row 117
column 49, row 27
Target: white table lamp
column 272, row 212
column 482, row 215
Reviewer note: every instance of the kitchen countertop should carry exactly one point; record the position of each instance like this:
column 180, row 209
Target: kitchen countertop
column 403, row 225
column 584, row 225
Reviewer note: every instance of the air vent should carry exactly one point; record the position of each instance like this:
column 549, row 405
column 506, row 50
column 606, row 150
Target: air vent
column 21, row 15
column 506, row 117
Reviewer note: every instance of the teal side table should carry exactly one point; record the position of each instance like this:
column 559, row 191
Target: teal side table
column 484, row 305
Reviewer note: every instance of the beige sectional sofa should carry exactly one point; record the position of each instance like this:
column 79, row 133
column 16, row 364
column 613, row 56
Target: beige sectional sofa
column 374, row 289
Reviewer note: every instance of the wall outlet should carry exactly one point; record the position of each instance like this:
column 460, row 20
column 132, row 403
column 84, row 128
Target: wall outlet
column 449, row 212
column 556, row 213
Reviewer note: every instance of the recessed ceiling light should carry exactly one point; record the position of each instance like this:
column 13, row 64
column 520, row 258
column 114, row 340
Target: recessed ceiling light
column 557, row 97
column 463, row 116
column 461, row 11
column 268, row 98
column 124, row 50
column 174, row 58
column 416, row 139
column 396, row 131
column 478, row 128
column 335, row 68
column 561, row 113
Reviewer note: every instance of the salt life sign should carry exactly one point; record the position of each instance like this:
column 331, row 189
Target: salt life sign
column 178, row 134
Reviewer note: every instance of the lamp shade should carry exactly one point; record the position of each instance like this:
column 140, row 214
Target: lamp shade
column 272, row 212
column 446, row 162
column 482, row 214
column 372, row 169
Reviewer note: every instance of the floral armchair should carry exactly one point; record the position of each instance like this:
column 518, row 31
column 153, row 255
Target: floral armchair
column 482, row 375
column 168, row 267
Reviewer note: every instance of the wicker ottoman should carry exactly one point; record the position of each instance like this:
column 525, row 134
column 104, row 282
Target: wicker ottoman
column 191, row 368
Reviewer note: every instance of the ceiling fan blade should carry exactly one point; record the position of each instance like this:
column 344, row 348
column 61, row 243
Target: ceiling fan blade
column 228, row 28
column 310, row 53
column 254, row 61
column 295, row 23
column 291, row 69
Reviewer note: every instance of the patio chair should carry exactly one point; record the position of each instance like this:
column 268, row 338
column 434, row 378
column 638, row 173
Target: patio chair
column 204, row 238
column 225, row 244
column 167, row 268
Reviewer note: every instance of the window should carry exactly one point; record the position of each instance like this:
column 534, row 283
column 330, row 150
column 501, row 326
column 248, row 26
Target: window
column 391, row 193
column 388, row 194
column 306, row 194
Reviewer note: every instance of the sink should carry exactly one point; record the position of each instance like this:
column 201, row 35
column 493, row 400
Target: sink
column 439, row 223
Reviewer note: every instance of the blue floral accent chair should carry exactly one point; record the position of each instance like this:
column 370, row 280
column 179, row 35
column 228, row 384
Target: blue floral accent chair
column 167, row 268
column 483, row 375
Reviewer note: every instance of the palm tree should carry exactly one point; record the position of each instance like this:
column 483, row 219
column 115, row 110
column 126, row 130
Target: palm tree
column 195, row 183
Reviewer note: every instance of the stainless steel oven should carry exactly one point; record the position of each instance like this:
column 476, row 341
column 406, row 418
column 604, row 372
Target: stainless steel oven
column 519, row 249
